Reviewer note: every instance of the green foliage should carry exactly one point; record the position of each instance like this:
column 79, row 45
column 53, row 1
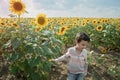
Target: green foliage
column 28, row 52
column 108, row 37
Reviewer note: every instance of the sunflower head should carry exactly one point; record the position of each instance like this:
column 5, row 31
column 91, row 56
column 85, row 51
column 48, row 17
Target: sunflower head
column 62, row 30
column 37, row 29
column 118, row 27
column 83, row 23
column 104, row 51
column 99, row 28
column 41, row 20
column 17, row 7
column 2, row 24
column 1, row 30
column 94, row 21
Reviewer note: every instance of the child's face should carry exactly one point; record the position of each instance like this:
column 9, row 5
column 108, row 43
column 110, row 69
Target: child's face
column 81, row 45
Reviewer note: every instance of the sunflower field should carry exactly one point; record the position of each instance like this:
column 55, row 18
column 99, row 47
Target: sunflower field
column 28, row 44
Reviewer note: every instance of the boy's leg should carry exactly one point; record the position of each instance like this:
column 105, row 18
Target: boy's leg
column 71, row 76
column 80, row 76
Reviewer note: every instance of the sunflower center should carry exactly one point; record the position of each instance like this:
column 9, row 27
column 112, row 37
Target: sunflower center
column 41, row 20
column 118, row 27
column 99, row 27
column 17, row 6
column 14, row 24
column 62, row 29
column 83, row 24
column 2, row 24
column 94, row 21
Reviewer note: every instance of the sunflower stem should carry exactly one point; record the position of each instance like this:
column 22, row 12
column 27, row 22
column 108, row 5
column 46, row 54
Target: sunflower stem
column 19, row 19
column 21, row 34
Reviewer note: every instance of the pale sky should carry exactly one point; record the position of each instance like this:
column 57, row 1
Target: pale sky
column 67, row 8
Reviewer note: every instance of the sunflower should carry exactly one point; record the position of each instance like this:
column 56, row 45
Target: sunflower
column 37, row 29
column 51, row 28
column 99, row 28
column 28, row 56
column 75, row 23
column 83, row 23
column 41, row 20
column 62, row 30
column 17, row 7
column 118, row 27
column 2, row 23
column 1, row 31
column 22, row 59
column 94, row 22
column 15, row 25
column 103, row 50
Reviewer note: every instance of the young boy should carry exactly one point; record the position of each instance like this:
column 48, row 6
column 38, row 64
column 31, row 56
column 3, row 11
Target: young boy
column 77, row 56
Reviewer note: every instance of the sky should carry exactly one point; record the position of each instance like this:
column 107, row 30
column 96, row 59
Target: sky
column 67, row 8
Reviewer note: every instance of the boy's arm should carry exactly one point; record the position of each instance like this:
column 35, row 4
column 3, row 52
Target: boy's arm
column 63, row 57
column 86, row 64
column 86, row 67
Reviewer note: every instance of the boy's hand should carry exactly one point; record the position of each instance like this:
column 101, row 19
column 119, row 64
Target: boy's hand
column 51, row 60
column 85, row 73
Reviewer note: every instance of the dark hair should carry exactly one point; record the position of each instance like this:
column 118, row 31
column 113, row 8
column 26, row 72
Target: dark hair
column 82, row 36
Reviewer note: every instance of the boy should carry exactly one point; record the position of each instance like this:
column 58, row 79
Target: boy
column 77, row 56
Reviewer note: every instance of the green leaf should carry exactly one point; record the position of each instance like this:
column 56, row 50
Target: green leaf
column 14, row 69
column 35, row 76
column 7, row 44
column 15, row 43
column 14, row 57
